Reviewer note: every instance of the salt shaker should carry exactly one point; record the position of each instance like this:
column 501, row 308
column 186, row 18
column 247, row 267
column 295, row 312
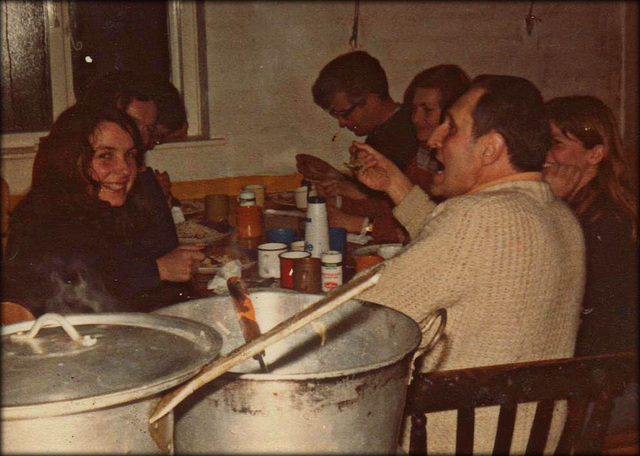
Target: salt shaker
column 317, row 226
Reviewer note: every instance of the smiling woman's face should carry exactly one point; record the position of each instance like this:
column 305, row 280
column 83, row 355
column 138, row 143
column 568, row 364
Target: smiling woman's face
column 114, row 162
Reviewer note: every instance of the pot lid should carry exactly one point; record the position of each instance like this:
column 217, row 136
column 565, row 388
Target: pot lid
column 115, row 358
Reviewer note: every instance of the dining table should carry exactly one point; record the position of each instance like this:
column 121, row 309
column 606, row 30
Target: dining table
column 277, row 213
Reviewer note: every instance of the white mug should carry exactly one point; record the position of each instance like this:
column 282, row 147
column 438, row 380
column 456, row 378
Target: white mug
column 300, row 195
column 268, row 261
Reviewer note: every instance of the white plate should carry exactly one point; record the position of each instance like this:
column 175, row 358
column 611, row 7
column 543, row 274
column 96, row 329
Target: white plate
column 205, row 240
column 214, row 269
column 192, row 207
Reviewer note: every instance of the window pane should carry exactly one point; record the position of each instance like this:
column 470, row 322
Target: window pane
column 26, row 92
column 118, row 36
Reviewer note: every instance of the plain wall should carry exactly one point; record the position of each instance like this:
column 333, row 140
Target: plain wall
column 263, row 57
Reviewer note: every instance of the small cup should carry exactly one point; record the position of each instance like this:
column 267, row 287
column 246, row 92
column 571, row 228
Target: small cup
column 287, row 260
column 306, row 275
column 337, row 239
column 300, row 195
column 298, row 246
column 268, row 262
column 258, row 190
column 249, row 221
column 284, row 235
column 216, row 208
column 366, row 261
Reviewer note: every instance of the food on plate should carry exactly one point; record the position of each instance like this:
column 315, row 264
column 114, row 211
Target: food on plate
column 353, row 165
column 215, row 260
column 191, row 207
column 193, row 230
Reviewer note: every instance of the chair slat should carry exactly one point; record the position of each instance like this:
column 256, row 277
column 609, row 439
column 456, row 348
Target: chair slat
column 572, row 432
column 579, row 381
column 596, row 427
column 465, row 430
column 418, row 439
column 540, row 428
column 506, row 424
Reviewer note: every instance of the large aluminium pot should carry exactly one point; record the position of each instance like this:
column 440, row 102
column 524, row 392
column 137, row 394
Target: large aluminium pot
column 88, row 383
column 337, row 385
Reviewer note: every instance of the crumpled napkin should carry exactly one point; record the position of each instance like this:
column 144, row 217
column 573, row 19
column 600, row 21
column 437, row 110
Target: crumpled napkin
column 218, row 284
column 360, row 239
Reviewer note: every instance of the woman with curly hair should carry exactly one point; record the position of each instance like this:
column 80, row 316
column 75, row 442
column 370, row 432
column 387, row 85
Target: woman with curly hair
column 74, row 239
column 586, row 166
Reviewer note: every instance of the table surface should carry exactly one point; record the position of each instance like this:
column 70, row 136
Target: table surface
column 171, row 293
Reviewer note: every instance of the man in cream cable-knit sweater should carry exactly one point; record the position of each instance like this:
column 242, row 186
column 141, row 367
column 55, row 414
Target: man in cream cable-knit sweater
column 502, row 255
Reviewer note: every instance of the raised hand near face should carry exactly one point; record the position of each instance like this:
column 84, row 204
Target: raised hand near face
column 563, row 179
column 379, row 173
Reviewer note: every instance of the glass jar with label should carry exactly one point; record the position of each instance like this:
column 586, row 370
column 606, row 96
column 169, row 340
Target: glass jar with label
column 331, row 270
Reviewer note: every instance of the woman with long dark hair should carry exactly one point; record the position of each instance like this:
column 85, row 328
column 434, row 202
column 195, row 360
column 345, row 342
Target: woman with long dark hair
column 73, row 239
column 587, row 167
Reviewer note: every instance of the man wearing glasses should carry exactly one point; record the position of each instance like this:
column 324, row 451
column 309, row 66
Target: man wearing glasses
column 353, row 88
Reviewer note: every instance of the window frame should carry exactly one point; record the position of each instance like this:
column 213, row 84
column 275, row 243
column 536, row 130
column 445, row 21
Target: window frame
column 184, row 55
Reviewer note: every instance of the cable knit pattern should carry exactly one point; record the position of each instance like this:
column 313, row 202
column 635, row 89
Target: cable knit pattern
column 508, row 265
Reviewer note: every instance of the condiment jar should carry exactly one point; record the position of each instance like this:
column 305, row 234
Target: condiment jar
column 331, row 270
column 246, row 198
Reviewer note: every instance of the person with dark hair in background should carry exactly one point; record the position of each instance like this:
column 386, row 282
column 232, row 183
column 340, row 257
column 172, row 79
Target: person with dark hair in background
column 501, row 254
column 171, row 124
column 353, row 88
column 586, row 167
column 429, row 95
column 73, row 240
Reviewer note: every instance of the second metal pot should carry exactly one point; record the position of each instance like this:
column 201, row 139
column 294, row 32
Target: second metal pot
column 336, row 386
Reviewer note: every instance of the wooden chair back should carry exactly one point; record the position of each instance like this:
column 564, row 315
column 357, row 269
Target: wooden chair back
column 10, row 312
column 581, row 381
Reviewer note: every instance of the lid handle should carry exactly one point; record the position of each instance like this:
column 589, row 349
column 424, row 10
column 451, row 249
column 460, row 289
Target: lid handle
column 50, row 319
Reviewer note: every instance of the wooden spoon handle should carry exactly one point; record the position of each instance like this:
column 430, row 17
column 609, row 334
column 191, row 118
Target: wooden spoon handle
column 244, row 308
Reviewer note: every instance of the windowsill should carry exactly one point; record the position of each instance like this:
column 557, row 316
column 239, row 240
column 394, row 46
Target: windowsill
column 24, row 153
column 193, row 143
column 13, row 153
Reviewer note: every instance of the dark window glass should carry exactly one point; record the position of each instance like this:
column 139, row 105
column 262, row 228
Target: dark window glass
column 26, row 90
column 118, row 36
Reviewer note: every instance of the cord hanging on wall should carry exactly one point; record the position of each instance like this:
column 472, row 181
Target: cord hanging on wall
column 353, row 41
column 531, row 20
